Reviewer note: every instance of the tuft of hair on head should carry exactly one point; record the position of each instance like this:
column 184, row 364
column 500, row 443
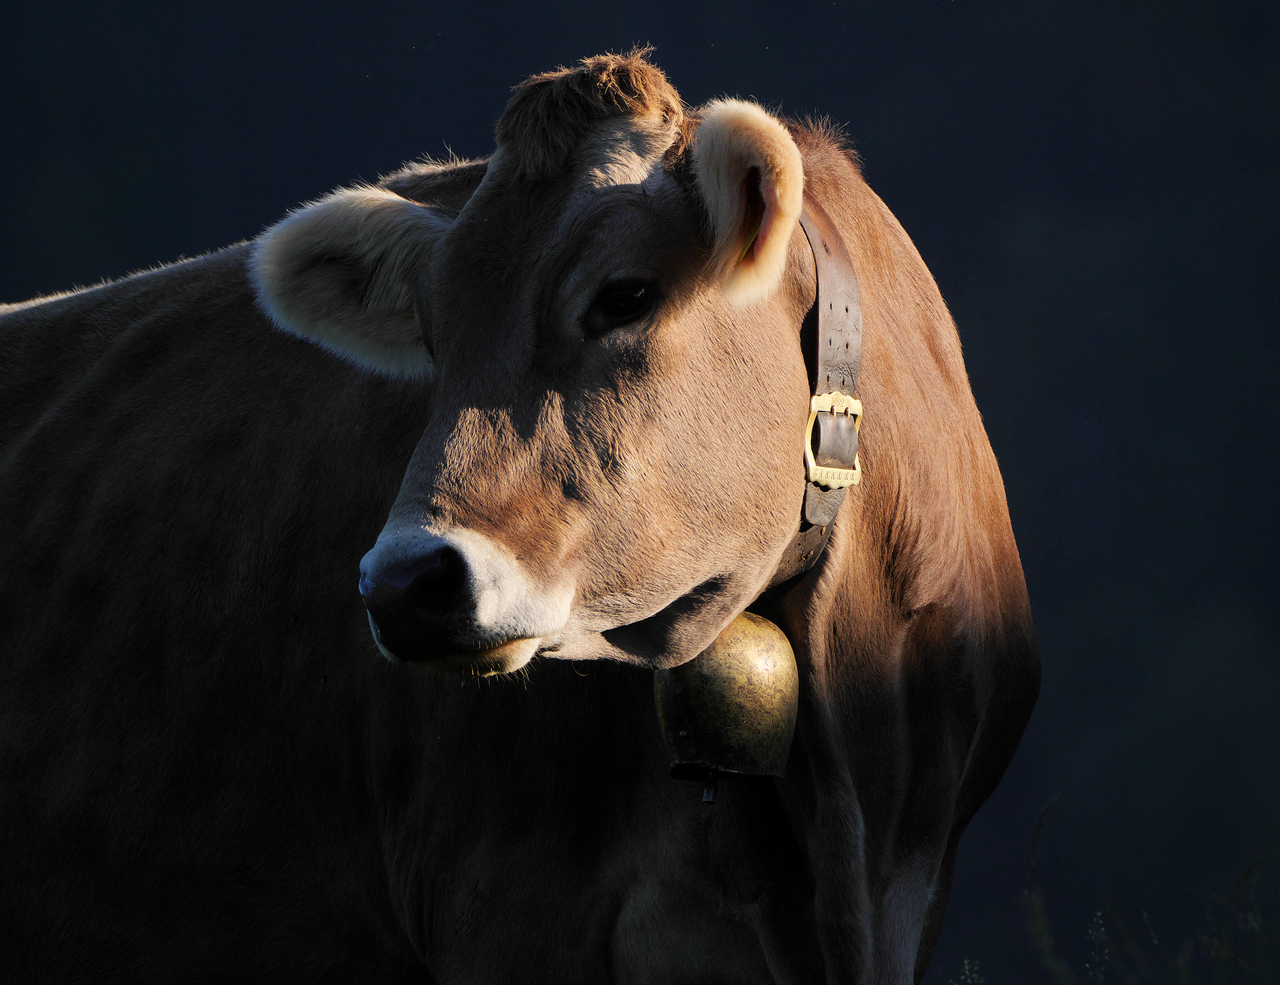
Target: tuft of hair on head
column 548, row 114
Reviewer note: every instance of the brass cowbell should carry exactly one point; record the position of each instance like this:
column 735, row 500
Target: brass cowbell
column 732, row 708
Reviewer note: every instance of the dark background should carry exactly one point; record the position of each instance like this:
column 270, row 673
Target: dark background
column 1095, row 191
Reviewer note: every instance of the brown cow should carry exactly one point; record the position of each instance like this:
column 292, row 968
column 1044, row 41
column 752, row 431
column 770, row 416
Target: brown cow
column 581, row 363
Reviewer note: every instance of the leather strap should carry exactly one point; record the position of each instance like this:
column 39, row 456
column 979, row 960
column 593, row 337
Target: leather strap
column 834, row 357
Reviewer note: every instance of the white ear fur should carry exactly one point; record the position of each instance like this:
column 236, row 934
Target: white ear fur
column 342, row 271
column 734, row 137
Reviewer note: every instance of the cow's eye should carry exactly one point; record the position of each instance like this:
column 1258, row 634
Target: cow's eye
column 619, row 303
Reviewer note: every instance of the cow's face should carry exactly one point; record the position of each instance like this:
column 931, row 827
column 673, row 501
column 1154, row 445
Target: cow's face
column 613, row 463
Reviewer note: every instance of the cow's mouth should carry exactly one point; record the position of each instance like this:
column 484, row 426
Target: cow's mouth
column 502, row 659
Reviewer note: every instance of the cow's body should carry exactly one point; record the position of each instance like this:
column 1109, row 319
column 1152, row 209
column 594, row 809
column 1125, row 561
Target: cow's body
column 208, row 773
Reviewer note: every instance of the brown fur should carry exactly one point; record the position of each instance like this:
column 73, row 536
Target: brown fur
column 207, row 770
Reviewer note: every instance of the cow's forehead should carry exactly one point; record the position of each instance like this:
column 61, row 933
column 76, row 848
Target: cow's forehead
column 621, row 151
column 512, row 220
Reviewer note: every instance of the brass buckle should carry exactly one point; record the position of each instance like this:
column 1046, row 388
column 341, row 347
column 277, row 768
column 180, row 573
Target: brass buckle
column 831, row 403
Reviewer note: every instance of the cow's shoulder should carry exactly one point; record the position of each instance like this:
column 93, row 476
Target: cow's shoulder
column 932, row 583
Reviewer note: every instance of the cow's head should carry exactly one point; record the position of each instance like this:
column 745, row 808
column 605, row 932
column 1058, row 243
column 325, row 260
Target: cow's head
column 607, row 334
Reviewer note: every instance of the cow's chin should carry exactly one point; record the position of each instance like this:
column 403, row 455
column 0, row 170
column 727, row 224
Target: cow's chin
column 504, row 659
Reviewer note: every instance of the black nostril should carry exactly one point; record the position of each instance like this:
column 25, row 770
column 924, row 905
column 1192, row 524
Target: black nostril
column 441, row 582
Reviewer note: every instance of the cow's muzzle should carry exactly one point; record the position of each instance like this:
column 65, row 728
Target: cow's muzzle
column 456, row 600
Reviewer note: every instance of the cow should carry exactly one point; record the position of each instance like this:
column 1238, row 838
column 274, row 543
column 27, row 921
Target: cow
column 336, row 568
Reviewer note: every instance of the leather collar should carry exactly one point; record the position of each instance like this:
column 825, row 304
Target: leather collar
column 831, row 336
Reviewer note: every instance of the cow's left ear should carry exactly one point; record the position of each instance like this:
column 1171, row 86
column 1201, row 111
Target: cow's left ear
column 342, row 272
column 751, row 178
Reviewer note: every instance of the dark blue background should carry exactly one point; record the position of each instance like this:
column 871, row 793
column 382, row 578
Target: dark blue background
column 1095, row 189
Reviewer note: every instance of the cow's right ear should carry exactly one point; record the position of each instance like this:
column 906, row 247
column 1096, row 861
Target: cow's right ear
column 342, row 273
